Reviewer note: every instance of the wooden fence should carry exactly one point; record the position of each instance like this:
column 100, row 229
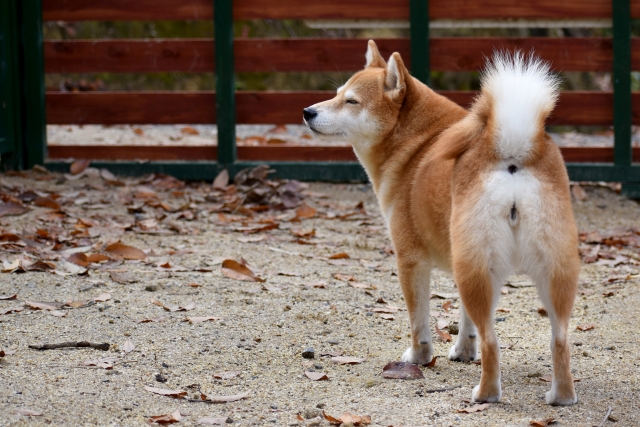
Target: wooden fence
column 619, row 54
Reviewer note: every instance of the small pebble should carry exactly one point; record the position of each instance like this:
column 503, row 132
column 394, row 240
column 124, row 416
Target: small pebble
column 310, row 413
column 164, row 365
column 151, row 288
column 317, row 366
column 308, row 353
column 160, row 378
column 333, row 341
column 453, row 329
column 320, row 405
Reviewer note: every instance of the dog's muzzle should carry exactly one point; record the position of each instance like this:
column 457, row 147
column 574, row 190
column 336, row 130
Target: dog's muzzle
column 309, row 113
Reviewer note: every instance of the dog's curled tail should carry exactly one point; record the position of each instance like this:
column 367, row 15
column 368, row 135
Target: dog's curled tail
column 518, row 94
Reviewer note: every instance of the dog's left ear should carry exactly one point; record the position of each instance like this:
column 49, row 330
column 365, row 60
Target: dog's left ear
column 374, row 59
column 396, row 78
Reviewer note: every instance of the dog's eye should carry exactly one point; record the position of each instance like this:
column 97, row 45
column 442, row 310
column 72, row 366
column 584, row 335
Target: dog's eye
column 352, row 101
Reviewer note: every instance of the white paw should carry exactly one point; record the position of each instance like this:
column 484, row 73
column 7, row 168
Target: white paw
column 420, row 356
column 460, row 352
column 491, row 396
column 552, row 398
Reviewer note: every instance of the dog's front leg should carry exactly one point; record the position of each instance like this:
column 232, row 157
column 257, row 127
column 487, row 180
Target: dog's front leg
column 466, row 347
column 415, row 281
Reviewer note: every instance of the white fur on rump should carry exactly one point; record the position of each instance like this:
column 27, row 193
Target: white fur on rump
column 522, row 92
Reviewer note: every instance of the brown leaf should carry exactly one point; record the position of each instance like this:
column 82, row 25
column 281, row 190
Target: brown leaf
column 341, row 255
column 128, row 347
column 345, row 360
column 165, row 392
column 156, row 320
column 222, row 180
column 79, row 166
column 303, row 233
column 444, row 336
column 28, row 412
column 202, row 319
column 305, row 212
column 585, row 327
column 188, row 130
column 476, row 408
column 106, row 363
column 43, row 305
column 7, row 297
column 402, row 371
column 542, row 423
column 12, row 209
column 121, row 277
column 78, row 258
column 432, row 363
column 542, row 311
column 276, row 141
column 138, row 131
column 344, row 277
column 346, row 418
column 278, row 129
column 188, row 307
column 103, row 297
column 359, row 285
column 9, row 310
column 390, row 310
column 316, row 376
column 235, row 270
column 388, row 316
column 227, row 375
column 123, row 251
column 166, row 418
column 225, row 399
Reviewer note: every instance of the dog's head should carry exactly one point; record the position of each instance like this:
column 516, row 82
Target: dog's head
column 366, row 107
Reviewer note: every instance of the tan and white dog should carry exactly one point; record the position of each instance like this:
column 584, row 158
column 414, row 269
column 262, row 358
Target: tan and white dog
column 481, row 193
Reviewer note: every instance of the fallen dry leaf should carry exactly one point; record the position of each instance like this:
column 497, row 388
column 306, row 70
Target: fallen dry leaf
column 122, row 277
column 43, row 305
column 476, row 408
column 222, row 180
column 444, row 336
column 188, row 130
column 156, row 320
column 225, row 399
column 346, row 418
column 401, row 371
column 578, row 193
column 305, row 212
column 235, row 270
column 79, row 259
column 28, row 412
column 106, row 363
column 165, row 392
column 388, row 316
column 79, row 166
column 9, row 310
column 12, row 209
column 166, row 418
column 585, row 327
column 7, row 297
column 542, row 423
column 123, row 251
column 103, row 297
column 128, row 347
column 316, row 376
column 201, row 319
column 542, row 311
column 341, row 255
column 345, row 360
column 227, row 375
column 58, row 313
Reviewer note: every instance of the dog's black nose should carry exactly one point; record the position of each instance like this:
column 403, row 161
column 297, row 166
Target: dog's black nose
column 309, row 113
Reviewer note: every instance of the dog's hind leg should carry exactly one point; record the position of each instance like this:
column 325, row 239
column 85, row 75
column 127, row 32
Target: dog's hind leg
column 466, row 347
column 415, row 281
column 557, row 294
column 479, row 292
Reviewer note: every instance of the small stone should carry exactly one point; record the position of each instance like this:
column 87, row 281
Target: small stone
column 453, row 329
column 310, row 413
column 535, row 374
column 317, row 366
column 320, row 405
column 585, row 354
column 333, row 341
column 151, row 288
column 274, row 407
column 272, row 420
column 229, row 420
column 308, row 353
column 160, row 378
column 164, row 365
column 128, row 408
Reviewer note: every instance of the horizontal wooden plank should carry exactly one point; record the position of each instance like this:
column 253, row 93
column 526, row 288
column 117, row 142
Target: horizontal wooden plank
column 287, row 152
column 114, row 10
column 264, row 55
column 574, row 108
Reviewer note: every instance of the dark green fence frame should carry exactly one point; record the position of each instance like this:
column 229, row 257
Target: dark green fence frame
column 22, row 124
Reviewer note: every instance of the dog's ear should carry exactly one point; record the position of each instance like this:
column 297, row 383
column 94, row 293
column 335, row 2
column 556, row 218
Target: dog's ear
column 374, row 59
column 395, row 84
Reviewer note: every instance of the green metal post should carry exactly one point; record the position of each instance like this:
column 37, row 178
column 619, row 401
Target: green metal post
column 10, row 99
column 32, row 64
column 419, row 33
column 225, row 82
column 622, row 82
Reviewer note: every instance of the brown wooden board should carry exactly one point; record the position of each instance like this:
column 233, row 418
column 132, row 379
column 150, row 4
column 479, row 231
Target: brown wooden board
column 264, row 55
column 114, row 10
column 574, row 108
column 269, row 153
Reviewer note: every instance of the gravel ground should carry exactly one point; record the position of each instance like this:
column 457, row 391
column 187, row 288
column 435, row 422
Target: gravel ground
column 207, row 135
column 264, row 328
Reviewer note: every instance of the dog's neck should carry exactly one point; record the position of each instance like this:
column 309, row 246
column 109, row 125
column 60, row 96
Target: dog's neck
column 423, row 116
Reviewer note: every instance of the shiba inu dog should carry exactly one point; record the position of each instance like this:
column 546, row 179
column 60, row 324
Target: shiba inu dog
column 481, row 193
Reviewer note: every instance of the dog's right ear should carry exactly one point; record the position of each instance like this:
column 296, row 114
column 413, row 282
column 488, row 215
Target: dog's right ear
column 374, row 59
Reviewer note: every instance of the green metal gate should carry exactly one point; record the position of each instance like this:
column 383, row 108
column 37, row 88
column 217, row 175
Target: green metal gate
column 22, row 126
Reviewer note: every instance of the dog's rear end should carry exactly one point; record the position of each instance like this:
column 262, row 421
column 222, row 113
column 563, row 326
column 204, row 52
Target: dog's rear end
column 511, row 211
